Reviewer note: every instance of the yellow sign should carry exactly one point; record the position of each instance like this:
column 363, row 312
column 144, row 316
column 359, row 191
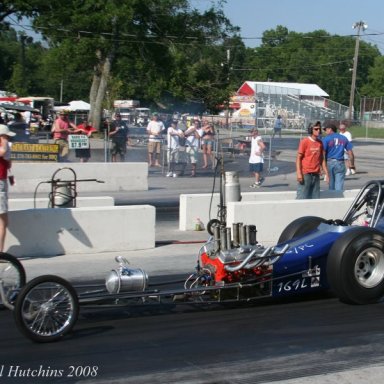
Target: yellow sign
column 35, row 152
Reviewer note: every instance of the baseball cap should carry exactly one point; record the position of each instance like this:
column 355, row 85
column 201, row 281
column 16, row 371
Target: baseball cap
column 4, row 130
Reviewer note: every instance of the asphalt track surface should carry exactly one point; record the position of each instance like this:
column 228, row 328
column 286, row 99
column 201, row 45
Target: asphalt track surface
column 314, row 340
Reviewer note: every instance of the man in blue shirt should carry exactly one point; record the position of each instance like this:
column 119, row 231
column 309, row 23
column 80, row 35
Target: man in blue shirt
column 335, row 145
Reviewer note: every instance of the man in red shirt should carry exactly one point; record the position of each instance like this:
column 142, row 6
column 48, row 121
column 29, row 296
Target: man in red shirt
column 85, row 128
column 310, row 162
column 61, row 128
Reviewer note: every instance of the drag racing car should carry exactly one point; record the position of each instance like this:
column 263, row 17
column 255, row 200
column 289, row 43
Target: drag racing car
column 312, row 254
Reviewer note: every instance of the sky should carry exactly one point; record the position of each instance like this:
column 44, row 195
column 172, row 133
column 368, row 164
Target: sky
column 334, row 16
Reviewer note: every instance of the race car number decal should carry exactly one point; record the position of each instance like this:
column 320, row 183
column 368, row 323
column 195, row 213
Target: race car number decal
column 311, row 279
column 292, row 285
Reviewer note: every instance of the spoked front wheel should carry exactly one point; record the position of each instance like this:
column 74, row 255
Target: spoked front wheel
column 12, row 276
column 46, row 309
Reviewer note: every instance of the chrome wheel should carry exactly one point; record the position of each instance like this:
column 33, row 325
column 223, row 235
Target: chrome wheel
column 46, row 309
column 369, row 267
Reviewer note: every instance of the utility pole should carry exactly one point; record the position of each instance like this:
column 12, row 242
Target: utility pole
column 360, row 25
column 228, row 69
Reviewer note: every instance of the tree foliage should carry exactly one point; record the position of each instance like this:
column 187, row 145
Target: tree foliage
column 316, row 57
column 166, row 54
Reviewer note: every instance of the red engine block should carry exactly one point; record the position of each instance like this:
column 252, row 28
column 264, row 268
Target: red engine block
column 220, row 274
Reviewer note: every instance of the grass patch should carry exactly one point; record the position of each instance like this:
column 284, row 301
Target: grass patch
column 371, row 133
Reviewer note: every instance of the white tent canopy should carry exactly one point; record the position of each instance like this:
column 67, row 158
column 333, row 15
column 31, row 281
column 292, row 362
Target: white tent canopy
column 75, row 105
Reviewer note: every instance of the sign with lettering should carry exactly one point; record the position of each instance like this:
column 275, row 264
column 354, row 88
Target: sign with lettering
column 78, row 141
column 34, row 152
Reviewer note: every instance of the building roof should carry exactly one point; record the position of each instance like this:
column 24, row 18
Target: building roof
column 249, row 87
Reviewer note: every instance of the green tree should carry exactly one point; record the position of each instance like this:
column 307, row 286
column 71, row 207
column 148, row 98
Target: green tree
column 137, row 47
column 315, row 57
column 375, row 84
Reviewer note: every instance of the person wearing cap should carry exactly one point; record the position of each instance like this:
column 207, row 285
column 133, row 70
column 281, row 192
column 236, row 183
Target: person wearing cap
column 335, row 145
column 174, row 134
column 256, row 158
column 310, row 162
column 192, row 144
column 119, row 137
column 61, row 129
column 5, row 165
column 343, row 131
column 85, row 128
column 154, row 129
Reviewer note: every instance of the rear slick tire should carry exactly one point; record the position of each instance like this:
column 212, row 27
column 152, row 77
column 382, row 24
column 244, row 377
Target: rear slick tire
column 299, row 227
column 355, row 266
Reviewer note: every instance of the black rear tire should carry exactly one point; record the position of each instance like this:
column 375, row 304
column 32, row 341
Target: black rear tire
column 46, row 309
column 12, row 275
column 299, row 227
column 355, row 266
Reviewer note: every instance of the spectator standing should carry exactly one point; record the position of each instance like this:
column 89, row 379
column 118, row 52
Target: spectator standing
column 84, row 128
column 192, row 144
column 208, row 141
column 20, row 127
column 174, row 134
column 256, row 158
column 154, row 129
column 278, row 126
column 335, row 145
column 343, row 131
column 61, row 128
column 5, row 165
column 119, row 137
column 310, row 162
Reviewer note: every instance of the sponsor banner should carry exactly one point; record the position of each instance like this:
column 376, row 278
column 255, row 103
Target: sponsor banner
column 34, row 152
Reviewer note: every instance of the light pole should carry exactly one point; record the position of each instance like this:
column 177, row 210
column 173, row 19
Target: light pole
column 360, row 25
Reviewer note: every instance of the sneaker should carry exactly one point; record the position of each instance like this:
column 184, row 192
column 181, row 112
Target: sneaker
column 255, row 185
column 348, row 173
column 353, row 171
column 174, row 175
column 169, row 174
column 261, row 181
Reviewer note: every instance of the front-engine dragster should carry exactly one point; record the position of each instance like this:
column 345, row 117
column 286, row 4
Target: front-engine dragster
column 312, row 254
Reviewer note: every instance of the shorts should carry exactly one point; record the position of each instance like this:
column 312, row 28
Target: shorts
column 63, row 147
column 154, row 147
column 3, row 196
column 84, row 153
column 192, row 154
column 256, row 167
column 208, row 142
column 119, row 148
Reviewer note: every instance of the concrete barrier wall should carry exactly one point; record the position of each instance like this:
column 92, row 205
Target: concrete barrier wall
column 41, row 202
column 271, row 218
column 205, row 206
column 116, row 176
column 53, row 231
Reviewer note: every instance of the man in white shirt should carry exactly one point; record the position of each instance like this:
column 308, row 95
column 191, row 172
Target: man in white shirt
column 174, row 134
column 256, row 157
column 192, row 144
column 343, row 131
column 155, row 129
